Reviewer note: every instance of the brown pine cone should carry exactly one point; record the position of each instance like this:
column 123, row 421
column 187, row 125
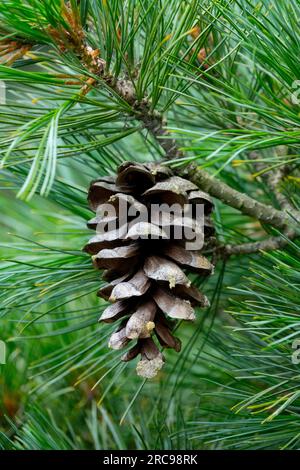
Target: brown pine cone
column 144, row 261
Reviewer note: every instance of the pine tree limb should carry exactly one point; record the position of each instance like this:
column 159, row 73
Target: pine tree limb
column 274, row 180
column 216, row 188
column 240, row 201
column 153, row 122
column 269, row 244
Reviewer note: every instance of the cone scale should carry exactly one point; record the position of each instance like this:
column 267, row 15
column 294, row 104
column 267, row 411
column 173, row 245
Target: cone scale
column 145, row 265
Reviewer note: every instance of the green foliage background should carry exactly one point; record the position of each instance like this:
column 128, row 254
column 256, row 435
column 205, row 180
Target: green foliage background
column 234, row 385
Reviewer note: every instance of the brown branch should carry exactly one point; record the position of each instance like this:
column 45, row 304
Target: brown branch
column 274, row 181
column 240, row 201
column 217, row 188
column 153, row 122
column 269, row 244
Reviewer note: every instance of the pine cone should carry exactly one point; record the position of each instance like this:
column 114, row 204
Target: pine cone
column 146, row 283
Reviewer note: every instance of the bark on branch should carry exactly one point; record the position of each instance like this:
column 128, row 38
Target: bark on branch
column 240, row 201
column 269, row 244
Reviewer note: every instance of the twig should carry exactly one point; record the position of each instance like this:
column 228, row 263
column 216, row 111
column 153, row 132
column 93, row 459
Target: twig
column 274, row 177
column 270, row 244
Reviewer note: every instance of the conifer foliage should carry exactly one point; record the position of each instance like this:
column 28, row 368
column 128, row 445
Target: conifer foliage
column 154, row 101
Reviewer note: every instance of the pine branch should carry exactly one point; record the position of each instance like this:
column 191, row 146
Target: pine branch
column 240, row 201
column 270, row 244
column 274, row 182
column 154, row 123
column 247, row 205
column 216, row 188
